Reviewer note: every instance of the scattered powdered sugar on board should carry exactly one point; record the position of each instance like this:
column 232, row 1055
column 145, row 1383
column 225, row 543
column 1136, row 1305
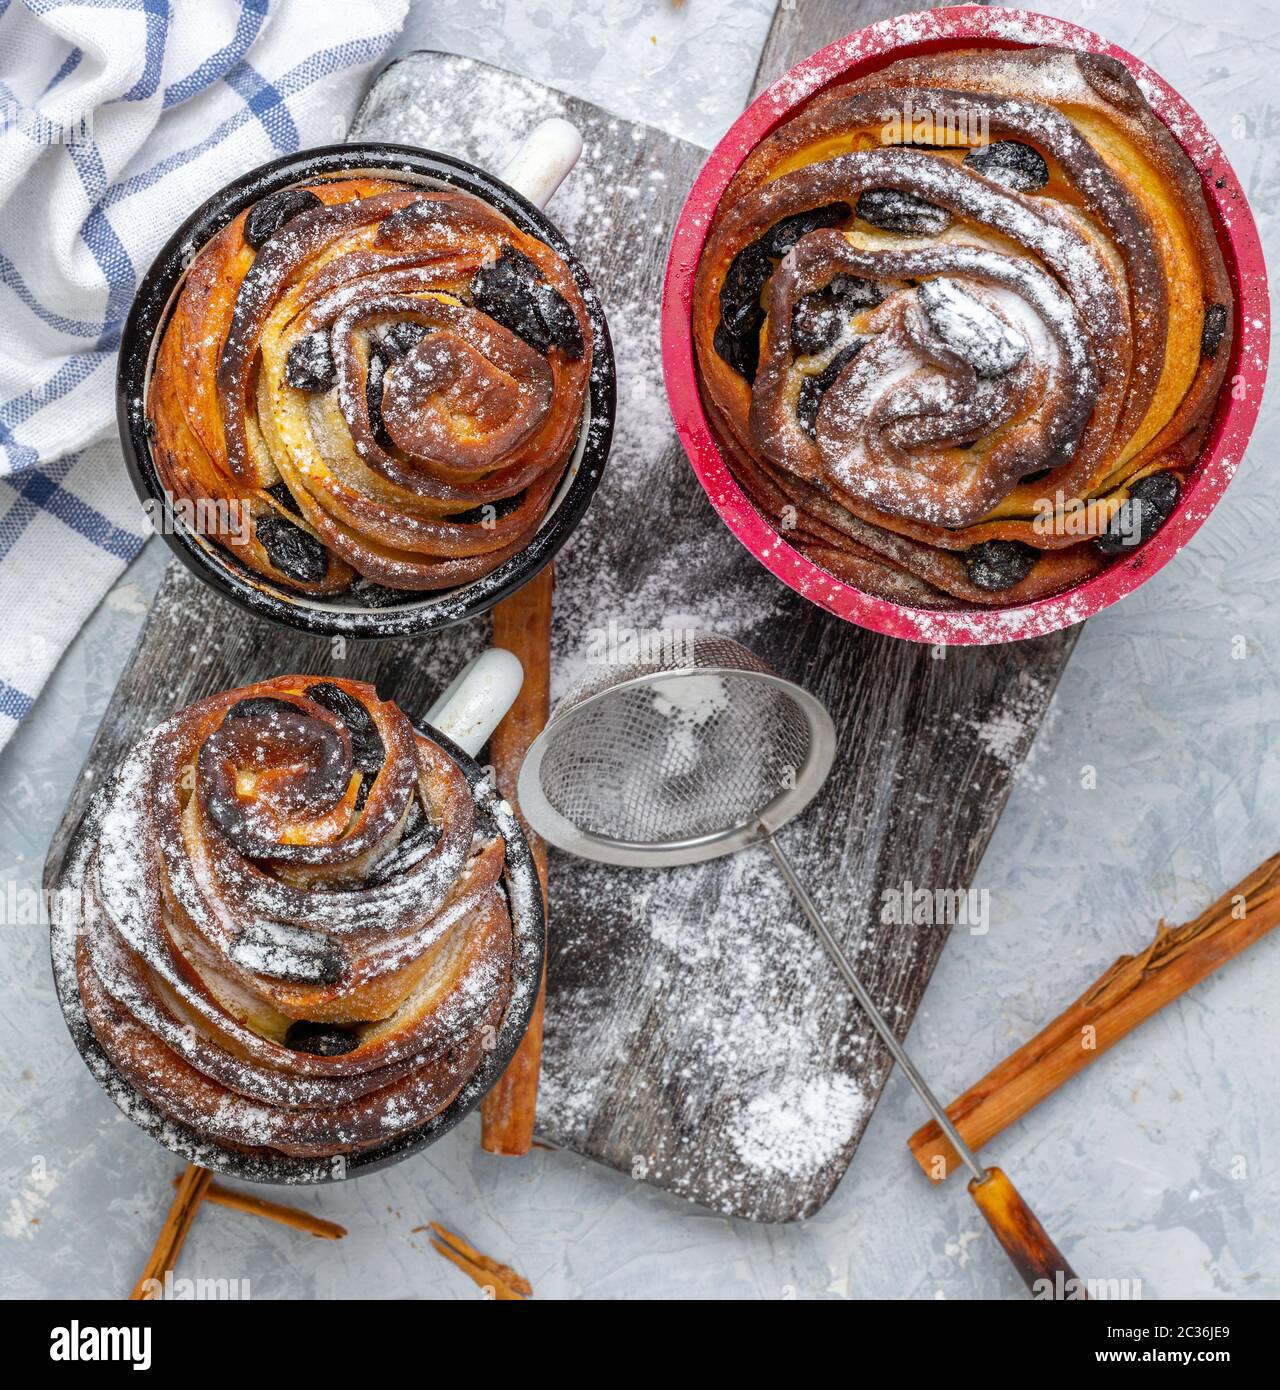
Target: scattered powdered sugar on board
column 794, row 1132
column 694, row 1026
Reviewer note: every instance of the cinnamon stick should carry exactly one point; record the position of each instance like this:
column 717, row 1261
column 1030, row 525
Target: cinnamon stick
column 1132, row 990
column 294, row 1217
column 192, row 1186
column 521, row 624
column 506, row 1284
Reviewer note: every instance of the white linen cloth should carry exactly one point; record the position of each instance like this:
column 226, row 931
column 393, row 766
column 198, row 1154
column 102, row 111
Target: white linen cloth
column 117, row 119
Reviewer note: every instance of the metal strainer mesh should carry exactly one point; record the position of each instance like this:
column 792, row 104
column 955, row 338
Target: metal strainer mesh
column 692, row 743
column 688, row 755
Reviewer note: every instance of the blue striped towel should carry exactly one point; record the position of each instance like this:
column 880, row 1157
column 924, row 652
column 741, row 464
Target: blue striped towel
column 117, row 118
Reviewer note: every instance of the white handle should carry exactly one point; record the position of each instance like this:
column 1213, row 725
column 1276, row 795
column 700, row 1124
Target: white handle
column 476, row 699
column 540, row 165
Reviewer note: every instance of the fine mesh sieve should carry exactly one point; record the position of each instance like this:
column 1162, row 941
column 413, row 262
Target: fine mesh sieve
column 698, row 749
column 676, row 757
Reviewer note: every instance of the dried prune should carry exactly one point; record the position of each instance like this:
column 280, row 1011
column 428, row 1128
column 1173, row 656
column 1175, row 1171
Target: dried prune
column 740, row 310
column 397, row 338
column 1140, row 515
column 270, row 214
column 280, row 491
column 740, row 351
column 995, row 565
column 489, row 512
column 561, row 322
column 1215, row 325
column 293, row 551
column 737, row 337
column 856, row 293
column 816, row 323
column 367, row 751
column 813, row 388
column 309, row 366
column 320, row 1039
column 819, row 318
column 893, row 210
column 257, row 705
column 373, row 379
column 783, row 235
column 513, row 293
column 1011, row 163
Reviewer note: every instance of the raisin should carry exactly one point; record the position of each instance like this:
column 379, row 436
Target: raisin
column 320, row 1039
column 995, row 565
column 293, row 551
column 1215, row 325
column 270, row 214
column 1011, row 163
column 782, row 236
column 893, row 210
column 310, row 366
column 1140, row 515
column 280, row 491
column 367, row 751
column 815, row 387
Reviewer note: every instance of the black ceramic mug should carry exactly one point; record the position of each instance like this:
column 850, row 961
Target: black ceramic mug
column 460, row 722
column 529, row 181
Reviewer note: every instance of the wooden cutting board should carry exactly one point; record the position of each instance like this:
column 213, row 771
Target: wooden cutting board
column 696, row 1036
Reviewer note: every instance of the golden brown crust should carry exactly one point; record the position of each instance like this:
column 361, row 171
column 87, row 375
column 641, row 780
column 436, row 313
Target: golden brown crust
column 427, row 478
column 294, row 936
column 1000, row 355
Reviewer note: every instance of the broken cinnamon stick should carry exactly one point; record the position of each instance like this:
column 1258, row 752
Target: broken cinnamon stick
column 294, row 1217
column 164, row 1256
column 1132, row 990
column 507, row 1286
column 521, row 624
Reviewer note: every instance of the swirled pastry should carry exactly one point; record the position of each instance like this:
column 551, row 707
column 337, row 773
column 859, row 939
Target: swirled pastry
column 961, row 325
column 369, row 386
column 292, row 932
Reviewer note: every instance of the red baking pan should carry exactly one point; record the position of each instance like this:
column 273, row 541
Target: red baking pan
column 875, row 47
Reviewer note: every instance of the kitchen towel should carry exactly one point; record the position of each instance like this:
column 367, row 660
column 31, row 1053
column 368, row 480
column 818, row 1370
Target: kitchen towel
column 117, row 119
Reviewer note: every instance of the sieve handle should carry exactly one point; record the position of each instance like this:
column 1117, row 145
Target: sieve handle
column 543, row 162
column 1015, row 1225
column 476, row 699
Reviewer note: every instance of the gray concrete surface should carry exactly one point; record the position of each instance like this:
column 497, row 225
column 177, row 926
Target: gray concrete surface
column 1157, row 1166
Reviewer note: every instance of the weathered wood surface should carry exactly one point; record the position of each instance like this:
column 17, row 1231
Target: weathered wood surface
column 695, row 1035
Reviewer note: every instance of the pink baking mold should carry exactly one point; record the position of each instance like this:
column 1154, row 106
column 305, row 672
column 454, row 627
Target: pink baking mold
column 1236, row 411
